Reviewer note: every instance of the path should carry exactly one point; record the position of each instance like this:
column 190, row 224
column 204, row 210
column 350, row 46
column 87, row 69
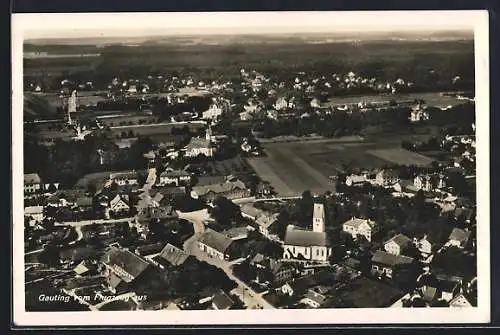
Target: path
column 250, row 298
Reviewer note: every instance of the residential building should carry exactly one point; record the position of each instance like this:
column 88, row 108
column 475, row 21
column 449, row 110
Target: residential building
column 119, row 205
column 265, row 222
column 229, row 189
column 314, row 299
column 298, row 286
column 429, row 182
column 213, row 112
column 32, row 183
column 123, row 269
column 397, row 244
column 174, row 177
column 34, row 214
column 215, row 244
column 171, row 256
column 386, row 177
column 459, row 238
column 360, row 227
column 425, row 245
column 356, row 180
column 307, row 245
column 124, row 178
column 384, row 263
column 222, row 301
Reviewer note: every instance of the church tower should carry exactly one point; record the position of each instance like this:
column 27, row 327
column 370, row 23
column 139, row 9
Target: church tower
column 208, row 133
column 319, row 218
column 71, row 106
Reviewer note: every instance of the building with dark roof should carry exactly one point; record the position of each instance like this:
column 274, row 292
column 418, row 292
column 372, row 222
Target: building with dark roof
column 32, row 183
column 124, row 268
column 384, row 263
column 229, row 189
column 172, row 256
column 397, row 244
column 174, row 177
column 215, row 244
column 459, row 238
column 222, row 301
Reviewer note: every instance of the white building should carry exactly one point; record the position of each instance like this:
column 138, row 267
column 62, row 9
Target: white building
column 212, row 113
column 34, row 214
column 397, row 244
column 307, row 245
column 200, row 146
column 360, row 227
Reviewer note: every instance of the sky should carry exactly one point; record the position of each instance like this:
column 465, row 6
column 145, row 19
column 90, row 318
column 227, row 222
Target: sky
column 76, row 25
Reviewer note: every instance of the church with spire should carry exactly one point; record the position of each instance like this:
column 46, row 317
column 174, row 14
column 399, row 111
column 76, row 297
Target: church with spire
column 308, row 245
column 201, row 145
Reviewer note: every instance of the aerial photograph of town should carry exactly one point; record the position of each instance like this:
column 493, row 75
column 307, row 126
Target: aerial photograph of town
column 224, row 171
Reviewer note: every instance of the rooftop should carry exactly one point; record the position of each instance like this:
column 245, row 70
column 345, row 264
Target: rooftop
column 386, row 258
column 31, row 178
column 401, row 240
column 125, row 264
column 215, row 240
column 173, row 255
column 219, row 188
column 460, row 235
column 356, row 222
column 300, row 237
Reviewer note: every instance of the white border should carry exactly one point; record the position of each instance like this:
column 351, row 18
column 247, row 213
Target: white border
column 110, row 23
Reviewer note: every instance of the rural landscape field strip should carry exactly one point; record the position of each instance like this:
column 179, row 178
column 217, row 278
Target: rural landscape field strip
column 263, row 169
column 401, row 156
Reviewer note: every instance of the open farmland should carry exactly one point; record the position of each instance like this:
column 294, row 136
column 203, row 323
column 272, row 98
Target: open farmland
column 401, row 156
column 431, row 99
column 153, row 129
column 294, row 167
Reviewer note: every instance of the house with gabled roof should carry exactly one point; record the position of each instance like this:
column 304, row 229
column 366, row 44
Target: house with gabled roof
column 384, row 263
column 32, row 183
column 397, row 244
column 124, row 269
column 360, row 227
column 216, row 244
column 459, row 238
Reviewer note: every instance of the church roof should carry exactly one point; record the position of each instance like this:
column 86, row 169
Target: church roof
column 305, row 238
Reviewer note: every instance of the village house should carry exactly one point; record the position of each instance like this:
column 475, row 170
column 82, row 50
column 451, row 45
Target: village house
column 429, row 183
column 124, row 178
column 265, row 223
column 356, row 180
column 419, row 113
column 298, row 286
column 216, row 245
column 432, row 288
column 200, row 146
column 119, row 205
column 360, row 227
column 459, row 238
column 221, row 301
column 398, row 244
column 171, row 256
column 315, row 297
column 123, row 269
column 229, row 189
column 315, row 103
column 307, row 245
column 386, row 177
column 32, row 183
column 34, row 214
column 213, row 112
column 384, row 263
column 425, row 245
column 174, row 177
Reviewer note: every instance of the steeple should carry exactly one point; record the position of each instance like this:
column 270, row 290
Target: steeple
column 319, row 218
column 208, row 133
column 71, row 106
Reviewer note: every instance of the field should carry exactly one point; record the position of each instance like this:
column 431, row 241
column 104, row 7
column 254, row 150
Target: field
column 153, row 129
column 401, row 156
column 431, row 99
column 294, row 167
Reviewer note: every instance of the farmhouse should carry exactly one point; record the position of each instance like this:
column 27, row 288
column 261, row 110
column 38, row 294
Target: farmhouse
column 32, row 183
column 171, row 256
column 386, row 177
column 212, row 113
column 384, row 263
column 307, row 245
column 119, row 205
column 216, row 245
column 360, row 227
column 174, row 177
column 398, row 244
column 124, row 178
column 34, row 214
column 228, row 189
column 459, row 238
column 123, row 269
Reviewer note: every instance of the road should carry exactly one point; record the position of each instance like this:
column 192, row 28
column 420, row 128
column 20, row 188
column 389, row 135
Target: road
column 250, row 298
column 197, row 218
column 89, row 222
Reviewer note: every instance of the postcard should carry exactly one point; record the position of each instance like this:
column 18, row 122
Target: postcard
column 262, row 168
